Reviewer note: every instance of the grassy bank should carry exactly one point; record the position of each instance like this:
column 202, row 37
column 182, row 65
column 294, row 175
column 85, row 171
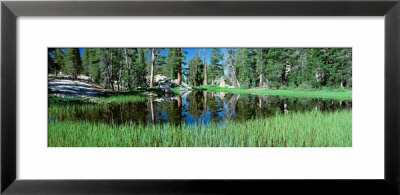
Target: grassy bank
column 119, row 99
column 124, row 98
column 297, row 93
column 308, row 129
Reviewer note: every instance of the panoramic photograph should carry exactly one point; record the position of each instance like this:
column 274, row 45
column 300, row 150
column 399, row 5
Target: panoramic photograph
column 199, row 97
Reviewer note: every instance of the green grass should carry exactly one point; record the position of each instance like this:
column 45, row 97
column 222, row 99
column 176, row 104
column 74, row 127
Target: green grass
column 300, row 129
column 68, row 108
column 119, row 99
column 52, row 99
column 176, row 90
column 115, row 98
column 298, row 93
column 136, row 91
column 70, row 111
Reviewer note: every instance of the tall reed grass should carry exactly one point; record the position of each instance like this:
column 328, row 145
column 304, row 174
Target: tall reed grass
column 300, row 129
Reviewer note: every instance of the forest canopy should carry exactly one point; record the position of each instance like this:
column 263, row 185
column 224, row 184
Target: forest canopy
column 274, row 68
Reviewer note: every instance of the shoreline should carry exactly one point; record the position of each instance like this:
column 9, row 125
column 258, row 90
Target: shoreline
column 320, row 94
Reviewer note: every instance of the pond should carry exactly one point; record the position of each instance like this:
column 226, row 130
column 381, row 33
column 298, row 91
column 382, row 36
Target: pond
column 194, row 107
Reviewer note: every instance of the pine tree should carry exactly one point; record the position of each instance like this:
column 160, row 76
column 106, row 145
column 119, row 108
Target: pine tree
column 118, row 65
column 106, row 60
column 57, row 61
column 261, row 62
column 274, row 67
column 245, row 66
column 196, row 67
column 50, row 62
column 94, row 64
column 140, row 68
column 159, row 62
column 73, row 62
column 174, row 62
column 215, row 67
column 171, row 63
column 85, row 61
column 131, row 67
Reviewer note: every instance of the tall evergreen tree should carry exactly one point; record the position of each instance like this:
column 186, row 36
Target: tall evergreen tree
column 118, row 67
column 261, row 62
column 159, row 62
column 85, row 61
column 94, row 64
column 73, row 62
column 171, row 63
column 140, row 68
column 51, row 65
column 106, row 68
column 274, row 67
column 215, row 67
column 174, row 62
column 245, row 66
column 57, row 60
column 196, row 67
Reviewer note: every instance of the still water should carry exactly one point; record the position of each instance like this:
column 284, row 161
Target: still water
column 195, row 107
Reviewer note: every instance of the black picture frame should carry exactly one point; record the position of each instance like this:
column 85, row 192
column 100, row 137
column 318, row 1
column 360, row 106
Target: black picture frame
column 10, row 10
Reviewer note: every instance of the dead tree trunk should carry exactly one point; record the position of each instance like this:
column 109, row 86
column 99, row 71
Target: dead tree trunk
column 119, row 78
column 129, row 70
column 205, row 105
column 110, row 72
column 231, row 71
column 179, row 76
column 152, row 108
column 205, row 68
column 179, row 108
column 152, row 67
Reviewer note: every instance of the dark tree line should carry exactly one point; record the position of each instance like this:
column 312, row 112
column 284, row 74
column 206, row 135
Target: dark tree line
column 128, row 68
column 294, row 67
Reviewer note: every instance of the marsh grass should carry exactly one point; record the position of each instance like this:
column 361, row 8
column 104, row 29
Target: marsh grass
column 69, row 108
column 54, row 100
column 119, row 99
column 298, row 93
column 300, row 129
column 70, row 111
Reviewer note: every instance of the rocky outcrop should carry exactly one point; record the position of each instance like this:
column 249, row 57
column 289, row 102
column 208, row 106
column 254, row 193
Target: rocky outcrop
column 167, row 98
column 185, row 87
column 85, row 79
column 165, row 88
column 72, row 88
column 222, row 83
column 166, row 84
column 82, row 78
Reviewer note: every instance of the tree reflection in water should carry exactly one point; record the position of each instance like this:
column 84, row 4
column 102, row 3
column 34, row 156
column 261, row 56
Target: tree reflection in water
column 197, row 107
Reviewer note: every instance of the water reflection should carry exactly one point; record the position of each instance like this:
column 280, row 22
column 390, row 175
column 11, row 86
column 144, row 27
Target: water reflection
column 196, row 107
